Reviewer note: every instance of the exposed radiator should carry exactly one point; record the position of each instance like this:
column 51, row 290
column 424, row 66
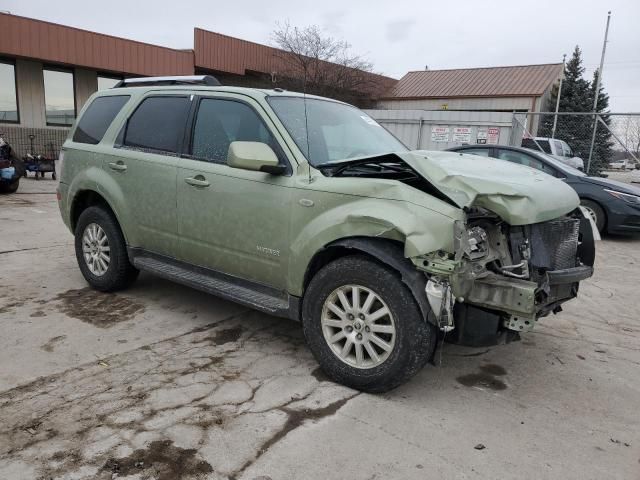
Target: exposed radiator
column 554, row 244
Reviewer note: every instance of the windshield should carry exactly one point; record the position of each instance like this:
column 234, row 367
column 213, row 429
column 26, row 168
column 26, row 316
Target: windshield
column 336, row 131
column 533, row 144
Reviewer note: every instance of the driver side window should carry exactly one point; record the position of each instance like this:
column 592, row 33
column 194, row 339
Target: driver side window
column 219, row 122
column 526, row 160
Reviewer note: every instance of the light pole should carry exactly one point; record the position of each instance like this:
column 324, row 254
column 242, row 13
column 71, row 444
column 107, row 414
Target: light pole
column 597, row 92
column 555, row 117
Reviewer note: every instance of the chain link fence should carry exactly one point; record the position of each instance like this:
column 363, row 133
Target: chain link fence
column 602, row 141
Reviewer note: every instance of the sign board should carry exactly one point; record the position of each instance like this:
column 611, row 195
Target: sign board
column 493, row 135
column 461, row 134
column 481, row 137
column 440, row 134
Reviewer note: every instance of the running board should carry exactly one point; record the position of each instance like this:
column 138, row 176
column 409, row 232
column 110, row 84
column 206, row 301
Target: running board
column 219, row 284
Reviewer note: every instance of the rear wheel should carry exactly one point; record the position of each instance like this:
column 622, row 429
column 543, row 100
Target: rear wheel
column 364, row 327
column 595, row 212
column 102, row 252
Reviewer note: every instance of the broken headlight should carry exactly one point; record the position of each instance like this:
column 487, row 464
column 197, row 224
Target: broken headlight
column 478, row 242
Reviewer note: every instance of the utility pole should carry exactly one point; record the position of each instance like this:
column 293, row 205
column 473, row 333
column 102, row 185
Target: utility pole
column 555, row 117
column 597, row 92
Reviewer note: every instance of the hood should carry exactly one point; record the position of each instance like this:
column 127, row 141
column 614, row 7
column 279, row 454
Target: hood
column 519, row 195
column 613, row 185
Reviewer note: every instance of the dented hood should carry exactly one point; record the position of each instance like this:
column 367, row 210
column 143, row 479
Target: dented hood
column 519, row 195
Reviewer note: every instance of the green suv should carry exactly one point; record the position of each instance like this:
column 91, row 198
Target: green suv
column 304, row 207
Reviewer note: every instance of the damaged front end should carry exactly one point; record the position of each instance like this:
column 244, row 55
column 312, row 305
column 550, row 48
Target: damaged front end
column 503, row 278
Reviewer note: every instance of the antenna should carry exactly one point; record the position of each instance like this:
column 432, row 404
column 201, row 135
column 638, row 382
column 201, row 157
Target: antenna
column 306, row 122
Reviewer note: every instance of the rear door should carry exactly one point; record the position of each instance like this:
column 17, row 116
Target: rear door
column 144, row 166
column 231, row 220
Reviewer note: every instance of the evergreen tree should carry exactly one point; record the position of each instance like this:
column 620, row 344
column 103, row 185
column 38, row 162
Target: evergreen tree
column 576, row 130
column 603, row 145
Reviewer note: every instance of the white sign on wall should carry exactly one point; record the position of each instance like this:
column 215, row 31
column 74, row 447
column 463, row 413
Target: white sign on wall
column 493, row 135
column 440, row 134
column 481, row 137
column 462, row 134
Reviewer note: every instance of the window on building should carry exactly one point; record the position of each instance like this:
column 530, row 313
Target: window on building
column 59, row 98
column 96, row 119
column 8, row 97
column 220, row 122
column 158, row 124
column 106, row 82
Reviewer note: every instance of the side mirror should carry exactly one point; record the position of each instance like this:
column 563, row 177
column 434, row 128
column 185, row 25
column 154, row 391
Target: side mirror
column 255, row 156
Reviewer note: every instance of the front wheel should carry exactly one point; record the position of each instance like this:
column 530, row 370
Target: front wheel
column 102, row 252
column 364, row 327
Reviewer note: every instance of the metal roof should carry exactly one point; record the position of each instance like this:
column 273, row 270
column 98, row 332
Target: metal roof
column 521, row 81
column 50, row 42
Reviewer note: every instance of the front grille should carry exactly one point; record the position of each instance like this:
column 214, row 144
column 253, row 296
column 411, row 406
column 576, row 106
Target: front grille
column 554, row 244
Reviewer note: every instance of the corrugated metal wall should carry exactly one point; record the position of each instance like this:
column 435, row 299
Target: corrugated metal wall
column 415, row 127
column 491, row 104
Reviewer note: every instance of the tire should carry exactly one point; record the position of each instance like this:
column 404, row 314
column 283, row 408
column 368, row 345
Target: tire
column 596, row 212
column 10, row 187
column 119, row 272
column 413, row 341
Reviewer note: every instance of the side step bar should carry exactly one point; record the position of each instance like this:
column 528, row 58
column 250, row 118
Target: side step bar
column 219, row 284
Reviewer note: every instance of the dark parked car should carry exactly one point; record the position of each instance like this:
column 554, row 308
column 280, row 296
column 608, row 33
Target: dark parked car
column 614, row 206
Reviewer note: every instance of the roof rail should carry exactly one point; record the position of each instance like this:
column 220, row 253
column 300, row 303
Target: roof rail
column 208, row 80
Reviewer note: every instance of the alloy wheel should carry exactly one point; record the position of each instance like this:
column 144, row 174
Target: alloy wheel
column 95, row 249
column 358, row 326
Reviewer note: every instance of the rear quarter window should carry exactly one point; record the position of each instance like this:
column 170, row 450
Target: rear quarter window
column 97, row 117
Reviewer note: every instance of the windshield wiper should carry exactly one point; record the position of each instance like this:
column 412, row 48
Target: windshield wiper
column 387, row 161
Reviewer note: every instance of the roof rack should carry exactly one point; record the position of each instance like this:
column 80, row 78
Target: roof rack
column 208, row 80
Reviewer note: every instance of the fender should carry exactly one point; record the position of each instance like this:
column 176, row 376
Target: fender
column 391, row 253
column 418, row 229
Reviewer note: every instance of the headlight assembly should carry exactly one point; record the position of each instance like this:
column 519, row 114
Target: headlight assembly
column 625, row 197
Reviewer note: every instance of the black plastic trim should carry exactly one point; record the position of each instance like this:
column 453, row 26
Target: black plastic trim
column 239, row 290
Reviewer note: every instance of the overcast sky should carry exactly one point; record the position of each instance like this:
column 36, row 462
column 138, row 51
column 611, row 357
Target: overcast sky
column 397, row 36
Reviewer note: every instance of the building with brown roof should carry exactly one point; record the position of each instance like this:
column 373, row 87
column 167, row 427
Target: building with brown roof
column 524, row 88
column 48, row 71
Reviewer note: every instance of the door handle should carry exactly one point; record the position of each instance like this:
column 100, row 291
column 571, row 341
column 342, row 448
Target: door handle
column 197, row 181
column 117, row 166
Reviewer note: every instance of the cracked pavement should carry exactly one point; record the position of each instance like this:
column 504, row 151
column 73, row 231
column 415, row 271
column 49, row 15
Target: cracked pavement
column 162, row 382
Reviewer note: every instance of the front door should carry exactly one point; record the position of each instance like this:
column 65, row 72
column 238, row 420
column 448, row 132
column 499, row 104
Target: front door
column 231, row 220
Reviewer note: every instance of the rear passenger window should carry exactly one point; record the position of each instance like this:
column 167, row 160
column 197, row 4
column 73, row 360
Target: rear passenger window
column 220, row 122
column 97, row 118
column 158, row 124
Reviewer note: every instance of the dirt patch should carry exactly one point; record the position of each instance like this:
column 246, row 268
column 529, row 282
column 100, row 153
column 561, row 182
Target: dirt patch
column 223, row 336
column 50, row 345
column 38, row 313
column 493, row 369
column 10, row 307
column 100, row 309
column 482, row 380
column 161, row 460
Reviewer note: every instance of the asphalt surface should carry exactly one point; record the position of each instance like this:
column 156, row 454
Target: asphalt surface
column 165, row 382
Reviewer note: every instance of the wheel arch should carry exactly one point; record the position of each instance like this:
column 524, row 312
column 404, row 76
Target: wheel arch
column 385, row 251
column 84, row 199
column 602, row 206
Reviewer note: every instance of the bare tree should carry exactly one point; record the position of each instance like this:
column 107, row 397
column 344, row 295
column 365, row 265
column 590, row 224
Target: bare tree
column 322, row 64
